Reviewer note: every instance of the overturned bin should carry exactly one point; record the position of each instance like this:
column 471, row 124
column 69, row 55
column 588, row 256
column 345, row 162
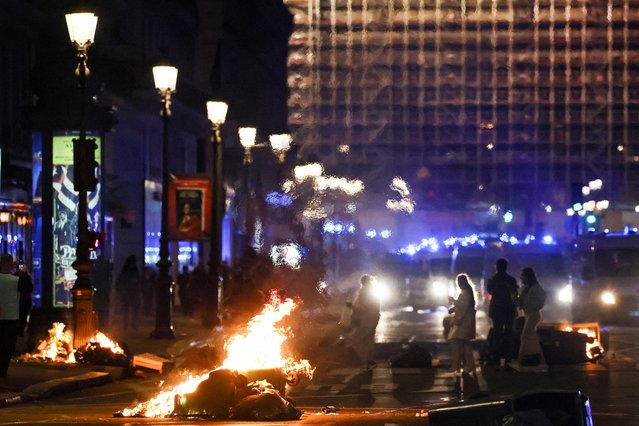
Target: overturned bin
column 550, row 407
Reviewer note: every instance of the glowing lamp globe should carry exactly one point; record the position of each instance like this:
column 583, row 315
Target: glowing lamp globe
column 81, row 27
column 247, row 136
column 216, row 112
column 165, row 78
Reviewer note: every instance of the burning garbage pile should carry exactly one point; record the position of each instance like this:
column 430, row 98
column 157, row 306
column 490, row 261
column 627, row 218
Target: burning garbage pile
column 251, row 382
column 565, row 343
column 58, row 347
column 594, row 348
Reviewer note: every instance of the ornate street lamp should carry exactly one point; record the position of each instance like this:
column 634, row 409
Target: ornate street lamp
column 165, row 78
column 81, row 28
column 247, row 139
column 216, row 112
column 280, row 145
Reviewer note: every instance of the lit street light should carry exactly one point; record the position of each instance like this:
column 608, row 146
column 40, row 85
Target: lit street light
column 81, row 27
column 280, row 145
column 216, row 112
column 165, row 81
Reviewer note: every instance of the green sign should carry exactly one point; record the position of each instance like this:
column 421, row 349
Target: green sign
column 63, row 149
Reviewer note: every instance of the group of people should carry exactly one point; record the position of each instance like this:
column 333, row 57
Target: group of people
column 507, row 300
column 136, row 291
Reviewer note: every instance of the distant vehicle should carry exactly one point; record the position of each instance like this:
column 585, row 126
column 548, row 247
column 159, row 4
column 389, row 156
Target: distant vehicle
column 606, row 284
column 423, row 280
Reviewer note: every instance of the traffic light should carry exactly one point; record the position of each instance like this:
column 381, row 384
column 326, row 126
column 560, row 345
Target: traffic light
column 591, row 219
column 85, row 176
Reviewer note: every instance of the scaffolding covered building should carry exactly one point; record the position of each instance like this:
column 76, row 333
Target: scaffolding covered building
column 472, row 102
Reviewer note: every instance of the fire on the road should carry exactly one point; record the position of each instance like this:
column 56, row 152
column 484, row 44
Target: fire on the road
column 58, row 347
column 594, row 349
column 259, row 347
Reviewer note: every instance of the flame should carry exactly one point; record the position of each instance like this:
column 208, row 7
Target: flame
column 104, row 342
column 58, row 347
column 593, row 346
column 163, row 404
column 259, row 347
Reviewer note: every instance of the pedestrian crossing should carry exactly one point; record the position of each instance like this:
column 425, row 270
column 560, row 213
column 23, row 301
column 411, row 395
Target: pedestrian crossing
column 381, row 386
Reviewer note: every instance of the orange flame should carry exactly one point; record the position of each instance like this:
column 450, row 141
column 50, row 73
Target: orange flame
column 58, row 346
column 163, row 404
column 593, row 345
column 104, row 342
column 260, row 347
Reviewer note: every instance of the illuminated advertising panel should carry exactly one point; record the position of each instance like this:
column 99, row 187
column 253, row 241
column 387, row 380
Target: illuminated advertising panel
column 65, row 220
column 189, row 208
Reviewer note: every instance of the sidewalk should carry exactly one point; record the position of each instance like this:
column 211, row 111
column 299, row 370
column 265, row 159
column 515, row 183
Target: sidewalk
column 30, row 381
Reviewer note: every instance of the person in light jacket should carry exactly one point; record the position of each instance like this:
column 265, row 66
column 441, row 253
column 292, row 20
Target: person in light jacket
column 462, row 330
column 531, row 301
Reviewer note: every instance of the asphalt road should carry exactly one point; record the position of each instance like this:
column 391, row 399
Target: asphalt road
column 383, row 395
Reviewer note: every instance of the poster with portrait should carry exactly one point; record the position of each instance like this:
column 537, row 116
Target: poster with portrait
column 65, row 217
column 189, row 208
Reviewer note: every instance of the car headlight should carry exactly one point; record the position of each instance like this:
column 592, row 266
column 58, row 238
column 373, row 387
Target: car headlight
column 608, row 298
column 439, row 288
column 381, row 290
column 565, row 295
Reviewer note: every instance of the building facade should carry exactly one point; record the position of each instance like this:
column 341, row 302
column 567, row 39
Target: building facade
column 517, row 103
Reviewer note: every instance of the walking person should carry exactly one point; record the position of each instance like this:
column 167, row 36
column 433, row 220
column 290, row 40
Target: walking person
column 462, row 329
column 502, row 310
column 364, row 320
column 128, row 287
column 531, row 301
column 11, row 290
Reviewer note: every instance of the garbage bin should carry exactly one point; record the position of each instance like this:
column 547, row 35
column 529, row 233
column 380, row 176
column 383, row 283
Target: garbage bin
column 473, row 413
column 559, row 406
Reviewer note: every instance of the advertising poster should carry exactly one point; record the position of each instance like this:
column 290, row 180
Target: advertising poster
column 189, row 208
column 65, row 220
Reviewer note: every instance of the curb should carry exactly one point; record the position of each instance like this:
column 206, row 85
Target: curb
column 57, row 387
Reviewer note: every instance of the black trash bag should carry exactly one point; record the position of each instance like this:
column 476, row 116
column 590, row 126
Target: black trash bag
column 93, row 353
column 415, row 357
column 213, row 397
column 267, row 406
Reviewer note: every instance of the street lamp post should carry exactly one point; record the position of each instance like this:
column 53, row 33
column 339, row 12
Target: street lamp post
column 81, row 27
column 280, row 145
column 165, row 81
column 247, row 140
column 216, row 112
